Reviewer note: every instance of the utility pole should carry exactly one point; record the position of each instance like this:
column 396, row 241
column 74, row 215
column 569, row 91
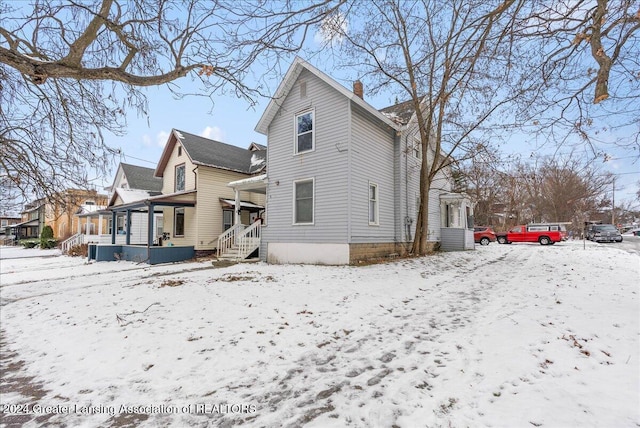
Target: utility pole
column 613, row 203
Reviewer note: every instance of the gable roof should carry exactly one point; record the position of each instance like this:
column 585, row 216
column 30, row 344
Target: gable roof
column 289, row 80
column 206, row 152
column 141, row 178
column 400, row 113
column 131, row 195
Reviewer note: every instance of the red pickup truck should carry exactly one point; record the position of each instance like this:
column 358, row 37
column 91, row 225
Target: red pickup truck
column 530, row 233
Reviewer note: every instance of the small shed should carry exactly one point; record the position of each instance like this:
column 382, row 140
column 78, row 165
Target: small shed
column 456, row 229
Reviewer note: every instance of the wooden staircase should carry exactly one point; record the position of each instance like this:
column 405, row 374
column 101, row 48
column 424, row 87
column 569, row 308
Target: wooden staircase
column 239, row 242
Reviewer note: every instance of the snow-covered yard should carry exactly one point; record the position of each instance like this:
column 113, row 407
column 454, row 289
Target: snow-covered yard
column 508, row 335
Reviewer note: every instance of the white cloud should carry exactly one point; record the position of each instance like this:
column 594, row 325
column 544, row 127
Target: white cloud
column 213, row 133
column 332, row 29
column 146, row 140
column 161, row 138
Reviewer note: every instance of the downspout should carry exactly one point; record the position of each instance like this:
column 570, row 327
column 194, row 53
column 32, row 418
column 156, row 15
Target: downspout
column 349, row 145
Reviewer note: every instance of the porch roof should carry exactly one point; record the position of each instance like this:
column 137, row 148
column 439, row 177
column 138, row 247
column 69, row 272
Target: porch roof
column 178, row 199
column 243, row 204
column 25, row 224
column 257, row 184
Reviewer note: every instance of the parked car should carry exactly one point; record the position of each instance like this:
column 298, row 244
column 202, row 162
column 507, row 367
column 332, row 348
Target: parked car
column 483, row 235
column 544, row 234
column 551, row 226
column 603, row 233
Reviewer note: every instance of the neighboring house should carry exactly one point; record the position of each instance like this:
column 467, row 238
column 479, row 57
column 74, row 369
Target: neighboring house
column 94, row 222
column 134, row 183
column 343, row 177
column 202, row 168
column 60, row 215
column 32, row 221
column 196, row 203
column 6, row 222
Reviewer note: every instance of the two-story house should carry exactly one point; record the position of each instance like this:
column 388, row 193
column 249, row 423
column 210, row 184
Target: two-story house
column 195, row 201
column 343, row 177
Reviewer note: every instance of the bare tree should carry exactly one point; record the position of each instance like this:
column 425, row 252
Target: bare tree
column 589, row 59
column 483, row 182
column 456, row 62
column 70, row 71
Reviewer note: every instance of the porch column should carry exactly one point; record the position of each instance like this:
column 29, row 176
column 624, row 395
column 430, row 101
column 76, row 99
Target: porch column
column 100, row 224
column 236, row 218
column 128, row 239
column 150, row 225
column 114, row 226
column 79, row 228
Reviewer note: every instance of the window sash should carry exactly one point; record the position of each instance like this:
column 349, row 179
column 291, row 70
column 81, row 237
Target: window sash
column 304, row 132
column 304, row 195
column 180, row 178
column 373, row 203
column 178, row 222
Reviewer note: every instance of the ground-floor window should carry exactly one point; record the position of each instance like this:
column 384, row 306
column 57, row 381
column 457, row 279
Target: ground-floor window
column 178, row 223
column 227, row 219
column 373, row 204
column 303, row 201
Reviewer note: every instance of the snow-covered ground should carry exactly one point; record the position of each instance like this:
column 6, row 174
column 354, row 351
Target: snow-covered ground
column 517, row 335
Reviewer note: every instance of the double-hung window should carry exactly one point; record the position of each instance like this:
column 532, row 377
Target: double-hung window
column 179, row 185
column 303, row 201
column 304, row 132
column 373, row 204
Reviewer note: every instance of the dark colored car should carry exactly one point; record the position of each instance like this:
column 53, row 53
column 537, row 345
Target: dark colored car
column 604, row 233
column 483, row 235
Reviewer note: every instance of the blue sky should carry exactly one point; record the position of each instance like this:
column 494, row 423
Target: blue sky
column 232, row 120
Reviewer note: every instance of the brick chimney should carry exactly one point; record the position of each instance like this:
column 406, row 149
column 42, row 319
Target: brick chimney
column 357, row 89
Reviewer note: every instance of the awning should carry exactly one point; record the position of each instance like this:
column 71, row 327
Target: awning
column 250, row 206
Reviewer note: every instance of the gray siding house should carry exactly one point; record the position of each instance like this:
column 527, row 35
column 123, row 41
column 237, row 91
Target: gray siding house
column 342, row 177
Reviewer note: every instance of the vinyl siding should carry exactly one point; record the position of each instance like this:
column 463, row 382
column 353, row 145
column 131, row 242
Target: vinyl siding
column 327, row 165
column 410, row 190
column 372, row 161
column 212, row 185
column 168, row 181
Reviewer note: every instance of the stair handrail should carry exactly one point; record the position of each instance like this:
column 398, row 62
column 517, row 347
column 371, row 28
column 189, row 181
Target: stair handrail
column 228, row 239
column 72, row 241
column 249, row 240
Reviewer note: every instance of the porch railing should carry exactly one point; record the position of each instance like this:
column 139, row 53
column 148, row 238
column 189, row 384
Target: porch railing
column 249, row 240
column 77, row 239
column 227, row 240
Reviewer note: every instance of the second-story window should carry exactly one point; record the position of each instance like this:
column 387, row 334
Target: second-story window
column 304, row 132
column 179, row 178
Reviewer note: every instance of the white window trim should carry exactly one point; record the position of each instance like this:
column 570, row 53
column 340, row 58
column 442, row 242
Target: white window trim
column 377, row 200
column 175, row 222
column 313, row 131
column 313, row 204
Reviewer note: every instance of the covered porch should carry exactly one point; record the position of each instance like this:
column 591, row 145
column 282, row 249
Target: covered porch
column 456, row 230
column 136, row 232
column 240, row 240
